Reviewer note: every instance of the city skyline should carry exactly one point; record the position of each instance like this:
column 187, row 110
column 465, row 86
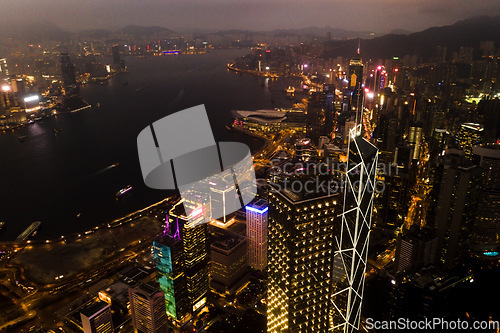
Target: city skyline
column 363, row 195
column 256, row 15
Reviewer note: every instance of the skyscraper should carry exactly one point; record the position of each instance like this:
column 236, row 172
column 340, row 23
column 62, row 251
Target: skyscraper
column 181, row 258
column 115, row 50
column 415, row 247
column 67, row 71
column 147, row 307
column 256, row 218
column 486, row 233
column 169, row 258
column 301, row 230
column 456, row 211
column 352, row 245
column 4, row 69
column 468, row 136
column 96, row 318
column 356, row 84
column 229, row 262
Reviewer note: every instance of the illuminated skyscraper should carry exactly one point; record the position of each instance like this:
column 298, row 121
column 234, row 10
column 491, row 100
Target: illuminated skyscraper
column 356, row 84
column 486, row 233
column 193, row 235
column 301, row 245
column 256, row 217
column 96, row 318
column 468, row 136
column 352, row 245
column 147, row 307
column 4, row 69
column 169, row 258
column 229, row 262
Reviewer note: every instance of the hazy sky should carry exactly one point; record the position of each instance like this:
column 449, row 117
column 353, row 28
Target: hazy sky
column 373, row 15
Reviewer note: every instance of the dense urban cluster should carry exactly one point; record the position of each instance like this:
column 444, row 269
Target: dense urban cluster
column 378, row 195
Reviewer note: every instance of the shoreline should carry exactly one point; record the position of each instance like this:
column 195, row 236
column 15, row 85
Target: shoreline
column 123, row 220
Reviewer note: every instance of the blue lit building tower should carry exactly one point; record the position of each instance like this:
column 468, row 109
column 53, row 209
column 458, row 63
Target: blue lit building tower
column 352, row 244
column 256, row 218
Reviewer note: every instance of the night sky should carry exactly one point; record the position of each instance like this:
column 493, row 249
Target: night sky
column 190, row 15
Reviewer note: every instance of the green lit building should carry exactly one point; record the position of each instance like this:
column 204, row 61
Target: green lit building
column 181, row 258
column 169, row 258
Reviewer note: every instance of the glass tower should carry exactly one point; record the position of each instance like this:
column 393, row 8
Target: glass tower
column 349, row 264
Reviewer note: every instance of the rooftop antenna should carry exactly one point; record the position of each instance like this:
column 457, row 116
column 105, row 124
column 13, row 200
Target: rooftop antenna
column 177, row 234
column 359, row 44
column 167, row 223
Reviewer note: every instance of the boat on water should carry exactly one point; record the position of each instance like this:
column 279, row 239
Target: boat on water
column 30, row 231
column 124, row 191
column 114, row 165
column 2, row 225
column 57, row 130
column 22, row 138
column 78, row 215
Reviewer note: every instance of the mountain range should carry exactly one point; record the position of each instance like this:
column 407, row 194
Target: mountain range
column 465, row 33
column 469, row 32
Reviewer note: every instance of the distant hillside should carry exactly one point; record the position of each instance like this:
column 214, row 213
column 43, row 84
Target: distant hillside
column 146, row 31
column 33, row 31
column 310, row 31
column 468, row 32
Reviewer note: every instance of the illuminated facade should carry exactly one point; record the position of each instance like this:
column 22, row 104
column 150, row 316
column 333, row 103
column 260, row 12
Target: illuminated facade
column 486, row 237
column 194, row 244
column 300, row 252
column 169, row 257
column 147, row 307
column 96, row 318
column 229, row 262
column 356, row 83
column 352, row 245
column 468, row 136
column 256, row 218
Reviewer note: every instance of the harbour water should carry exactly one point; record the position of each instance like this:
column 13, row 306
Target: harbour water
column 67, row 180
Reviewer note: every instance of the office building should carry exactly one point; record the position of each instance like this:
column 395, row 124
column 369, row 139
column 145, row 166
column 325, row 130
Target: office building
column 115, row 50
column 356, row 222
column 415, row 248
column 169, row 259
column 229, row 262
column 67, row 71
column 456, row 211
column 181, row 259
column 147, row 307
column 468, row 136
column 256, row 218
column 300, row 251
column 4, row 69
column 96, row 318
column 486, row 233
column 356, row 84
